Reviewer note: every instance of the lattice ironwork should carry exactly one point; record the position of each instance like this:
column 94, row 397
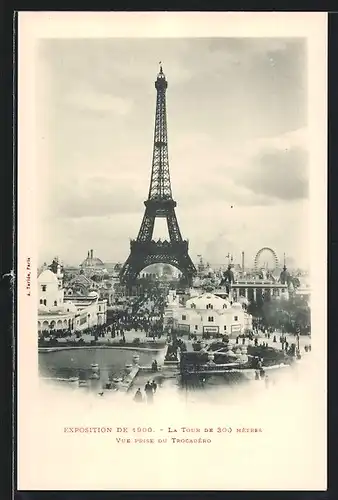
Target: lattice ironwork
column 160, row 187
column 144, row 251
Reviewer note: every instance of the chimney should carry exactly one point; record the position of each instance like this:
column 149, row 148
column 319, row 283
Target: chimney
column 88, row 254
column 242, row 262
column 91, row 254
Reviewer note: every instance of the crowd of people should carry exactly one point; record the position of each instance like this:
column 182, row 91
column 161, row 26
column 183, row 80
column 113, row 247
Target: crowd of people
column 145, row 314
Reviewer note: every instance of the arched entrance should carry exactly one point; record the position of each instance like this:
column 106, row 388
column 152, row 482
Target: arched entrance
column 157, row 252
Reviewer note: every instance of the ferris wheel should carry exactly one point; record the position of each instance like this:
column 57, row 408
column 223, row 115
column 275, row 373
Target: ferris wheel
column 266, row 257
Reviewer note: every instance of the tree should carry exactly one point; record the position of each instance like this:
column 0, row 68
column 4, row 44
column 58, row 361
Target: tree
column 253, row 308
column 287, row 314
column 276, row 315
column 282, row 314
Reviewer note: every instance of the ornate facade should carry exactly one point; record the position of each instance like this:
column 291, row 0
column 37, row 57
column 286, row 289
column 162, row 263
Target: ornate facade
column 80, row 285
column 58, row 310
column 92, row 265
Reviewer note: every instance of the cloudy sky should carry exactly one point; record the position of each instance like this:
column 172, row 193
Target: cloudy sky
column 237, row 126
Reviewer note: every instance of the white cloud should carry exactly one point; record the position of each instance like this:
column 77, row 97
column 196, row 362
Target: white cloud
column 291, row 139
column 94, row 197
column 257, row 172
column 88, row 100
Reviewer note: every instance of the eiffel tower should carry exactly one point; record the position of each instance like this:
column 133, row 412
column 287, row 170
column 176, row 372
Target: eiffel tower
column 144, row 251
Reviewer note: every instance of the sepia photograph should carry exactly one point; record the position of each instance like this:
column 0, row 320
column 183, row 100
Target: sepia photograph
column 173, row 284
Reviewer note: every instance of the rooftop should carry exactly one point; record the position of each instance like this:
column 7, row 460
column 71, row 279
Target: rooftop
column 47, row 276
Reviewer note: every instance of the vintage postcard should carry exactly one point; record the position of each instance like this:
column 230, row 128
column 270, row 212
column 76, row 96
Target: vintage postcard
column 172, row 251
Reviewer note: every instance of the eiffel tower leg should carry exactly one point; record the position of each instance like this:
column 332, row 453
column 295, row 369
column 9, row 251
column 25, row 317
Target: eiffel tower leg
column 130, row 269
column 173, row 228
column 147, row 226
column 188, row 268
column 133, row 264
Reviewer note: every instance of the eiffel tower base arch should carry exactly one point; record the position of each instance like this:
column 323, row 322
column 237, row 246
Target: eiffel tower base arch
column 144, row 254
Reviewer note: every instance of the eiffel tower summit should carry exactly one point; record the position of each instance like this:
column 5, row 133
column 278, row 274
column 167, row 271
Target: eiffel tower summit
column 144, row 251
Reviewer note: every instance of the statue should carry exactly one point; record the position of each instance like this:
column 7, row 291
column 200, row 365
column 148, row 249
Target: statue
column 228, row 278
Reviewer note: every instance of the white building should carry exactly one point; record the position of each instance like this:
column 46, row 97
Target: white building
column 208, row 313
column 90, row 311
column 50, row 291
column 59, row 312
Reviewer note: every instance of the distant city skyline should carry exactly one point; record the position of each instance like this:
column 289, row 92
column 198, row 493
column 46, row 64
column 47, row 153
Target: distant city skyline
column 289, row 260
column 237, row 126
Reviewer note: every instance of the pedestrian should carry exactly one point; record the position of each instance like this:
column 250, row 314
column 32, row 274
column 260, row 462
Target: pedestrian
column 148, row 389
column 154, row 386
column 138, row 396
